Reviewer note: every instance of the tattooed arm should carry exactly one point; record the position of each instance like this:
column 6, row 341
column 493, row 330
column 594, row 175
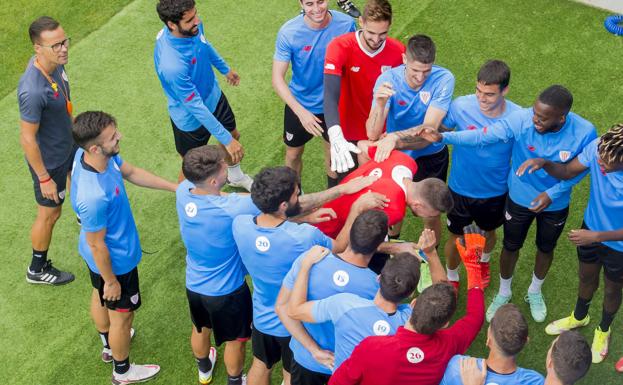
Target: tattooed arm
column 315, row 200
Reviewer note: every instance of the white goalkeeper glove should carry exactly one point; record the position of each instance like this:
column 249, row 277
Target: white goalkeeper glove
column 341, row 158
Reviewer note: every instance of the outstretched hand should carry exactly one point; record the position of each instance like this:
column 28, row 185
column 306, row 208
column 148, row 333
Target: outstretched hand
column 530, row 165
column 470, row 247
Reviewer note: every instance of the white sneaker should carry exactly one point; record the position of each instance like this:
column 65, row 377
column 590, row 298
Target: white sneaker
column 137, row 373
column 206, row 378
column 245, row 182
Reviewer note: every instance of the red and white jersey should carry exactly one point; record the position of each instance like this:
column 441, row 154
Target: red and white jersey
column 391, row 173
column 359, row 70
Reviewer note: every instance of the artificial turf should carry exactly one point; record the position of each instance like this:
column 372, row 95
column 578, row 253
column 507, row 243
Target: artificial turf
column 46, row 335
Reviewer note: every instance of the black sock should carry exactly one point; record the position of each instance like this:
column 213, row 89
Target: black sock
column 121, row 367
column 331, row 182
column 204, row 364
column 606, row 320
column 39, row 258
column 104, row 337
column 234, row 380
column 581, row 308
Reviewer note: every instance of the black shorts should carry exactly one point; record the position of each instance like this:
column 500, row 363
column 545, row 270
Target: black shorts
column 59, row 176
column 229, row 316
column 549, row 226
column 303, row 376
column 187, row 140
column 294, row 134
column 487, row 213
column 130, row 292
column 610, row 259
column 433, row 166
column 270, row 349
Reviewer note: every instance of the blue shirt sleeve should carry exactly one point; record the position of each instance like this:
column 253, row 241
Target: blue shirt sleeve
column 587, row 155
column 92, row 212
column 452, row 375
column 283, row 52
column 31, row 103
column 334, row 307
column 501, row 131
column 442, row 97
column 217, row 60
column 449, row 121
column 185, row 91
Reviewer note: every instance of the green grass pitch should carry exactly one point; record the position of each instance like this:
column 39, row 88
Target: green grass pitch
column 46, row 335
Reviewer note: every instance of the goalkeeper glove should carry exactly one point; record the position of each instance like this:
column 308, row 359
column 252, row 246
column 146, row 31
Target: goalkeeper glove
column 341, row 159
column 470, row 247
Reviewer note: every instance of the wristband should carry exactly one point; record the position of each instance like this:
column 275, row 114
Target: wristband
column 49, row 178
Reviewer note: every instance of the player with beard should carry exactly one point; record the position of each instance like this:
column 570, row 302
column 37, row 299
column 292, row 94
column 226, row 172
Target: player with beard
column 197, row 107
column 109, row 241
column 270, row 242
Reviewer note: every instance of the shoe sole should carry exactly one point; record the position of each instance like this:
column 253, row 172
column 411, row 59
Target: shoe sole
column 35, row 282
column 116, row 382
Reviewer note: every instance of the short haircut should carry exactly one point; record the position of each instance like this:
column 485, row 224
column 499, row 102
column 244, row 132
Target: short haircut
column 495, row 72
column 89, row 125
column 558, row 97
column 368, row 231
column 273, row 185
column 436, row 194
column 399, row 277
column 421, row 48
column 203, row 162
column 611, row 145
column 173, row 10
column 510, row 330
column 44, row 23
column 377, row 10
column 571, row 357
column 433, row 308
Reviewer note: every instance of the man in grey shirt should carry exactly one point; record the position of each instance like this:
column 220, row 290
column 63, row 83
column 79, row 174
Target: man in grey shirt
column 45, row 135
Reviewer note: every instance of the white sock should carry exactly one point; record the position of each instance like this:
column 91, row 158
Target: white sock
column 234, row 173
column 505, row 287
column 485, row 257
column 535, row 286
column 453, row 274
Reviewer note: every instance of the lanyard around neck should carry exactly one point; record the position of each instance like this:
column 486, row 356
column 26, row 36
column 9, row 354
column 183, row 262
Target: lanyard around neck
column 54, row 85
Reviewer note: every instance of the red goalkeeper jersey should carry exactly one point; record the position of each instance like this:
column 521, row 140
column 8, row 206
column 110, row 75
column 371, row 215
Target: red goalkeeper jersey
column 390, row 183
column 359, row 70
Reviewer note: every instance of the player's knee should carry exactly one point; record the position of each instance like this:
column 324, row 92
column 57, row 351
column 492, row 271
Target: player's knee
column 50, row 214
column 546, row 247
column 512, row 245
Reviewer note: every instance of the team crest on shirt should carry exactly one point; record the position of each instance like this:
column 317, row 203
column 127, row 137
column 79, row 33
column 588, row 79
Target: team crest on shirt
column 307, row 48
column 341, row 278
column 377, row 172
column 190, row 209
column 381, row 328
column 262, row 243
column 564, row 155
column 415, row 355
column 425, row 97
column 64, row 76
column 203, row 39
column 385, row 68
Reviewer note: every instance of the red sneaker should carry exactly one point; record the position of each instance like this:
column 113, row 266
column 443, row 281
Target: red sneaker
column 619, row 365
column 485, row 274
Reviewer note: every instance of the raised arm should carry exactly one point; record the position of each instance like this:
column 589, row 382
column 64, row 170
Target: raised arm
column 378, row 112
column 298, row 307
column 562, row 171
column 314, row 200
